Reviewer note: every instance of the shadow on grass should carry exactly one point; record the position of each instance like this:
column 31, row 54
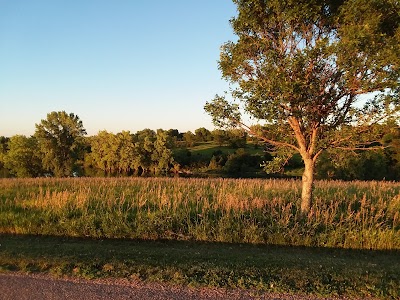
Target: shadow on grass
column 321, row 271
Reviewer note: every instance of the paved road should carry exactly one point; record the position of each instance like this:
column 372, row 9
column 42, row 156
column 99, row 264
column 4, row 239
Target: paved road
column 39, row 287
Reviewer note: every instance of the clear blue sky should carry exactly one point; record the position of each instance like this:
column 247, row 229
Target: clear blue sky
column 118, row 65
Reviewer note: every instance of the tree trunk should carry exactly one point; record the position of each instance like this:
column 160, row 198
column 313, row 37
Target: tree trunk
column 307, row 186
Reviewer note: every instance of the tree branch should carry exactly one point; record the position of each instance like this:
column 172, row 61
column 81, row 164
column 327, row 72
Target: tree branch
column 273, row 142
column 313, row 139
column 360, row 148
column 295, row 125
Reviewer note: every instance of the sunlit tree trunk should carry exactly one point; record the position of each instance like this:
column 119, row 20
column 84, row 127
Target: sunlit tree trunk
column 307, row 186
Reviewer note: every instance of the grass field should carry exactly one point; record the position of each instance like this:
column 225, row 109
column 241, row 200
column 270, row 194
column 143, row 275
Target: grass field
column 207, row 149
column 244, row 233
column 358, row 215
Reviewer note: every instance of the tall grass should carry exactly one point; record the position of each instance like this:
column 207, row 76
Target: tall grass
column 360, row 215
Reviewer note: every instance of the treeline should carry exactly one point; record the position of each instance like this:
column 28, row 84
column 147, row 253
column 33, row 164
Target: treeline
column 61, row 148
column 149, row 152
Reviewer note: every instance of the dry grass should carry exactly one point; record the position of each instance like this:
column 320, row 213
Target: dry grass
column 362, row 215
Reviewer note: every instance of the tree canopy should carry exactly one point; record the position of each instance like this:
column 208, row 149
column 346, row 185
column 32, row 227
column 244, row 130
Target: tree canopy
column 60, row 138
column 126, row 153
column 23, row 159
column 319, row 73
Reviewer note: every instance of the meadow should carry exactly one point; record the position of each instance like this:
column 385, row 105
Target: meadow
column 351, row 215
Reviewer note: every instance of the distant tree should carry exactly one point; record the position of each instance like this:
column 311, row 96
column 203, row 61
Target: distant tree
column 203, row 134
column 237, row 138
column 189, row 138
column 23, row 158
column 175, row 136
column 3, row 149
column 360, row 165
column 162, row 154
column 4, row 144
column 301, row 65
column 220, row 136
column 217, row 161
column 391, row 140
column 60, row 139
column 238, row 162
column 104, row 149
column 144, row 144
column 365, row 165
column 182, row 157
column 126, row 152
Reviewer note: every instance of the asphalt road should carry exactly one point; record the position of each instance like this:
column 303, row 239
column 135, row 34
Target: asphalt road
column 40, row 287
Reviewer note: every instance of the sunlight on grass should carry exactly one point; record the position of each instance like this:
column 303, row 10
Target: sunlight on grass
column 359, row 215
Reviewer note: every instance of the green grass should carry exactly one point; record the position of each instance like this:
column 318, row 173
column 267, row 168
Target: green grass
column 206, row 149
column 358, row 215
column 233, row 233
column 299, row 270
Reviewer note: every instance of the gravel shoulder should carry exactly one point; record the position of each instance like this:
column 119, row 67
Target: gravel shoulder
column 35, row 287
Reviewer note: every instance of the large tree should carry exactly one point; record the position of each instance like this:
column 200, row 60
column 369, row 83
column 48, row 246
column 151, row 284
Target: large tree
column 162, row 153
column 23, row 158
column 60, row 138
column 104, row 151
column 303, row 67
column 3, row 149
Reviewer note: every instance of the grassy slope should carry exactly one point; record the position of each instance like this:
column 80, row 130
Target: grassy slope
column 331, row 272
column 208, row 148
column 205, row 150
